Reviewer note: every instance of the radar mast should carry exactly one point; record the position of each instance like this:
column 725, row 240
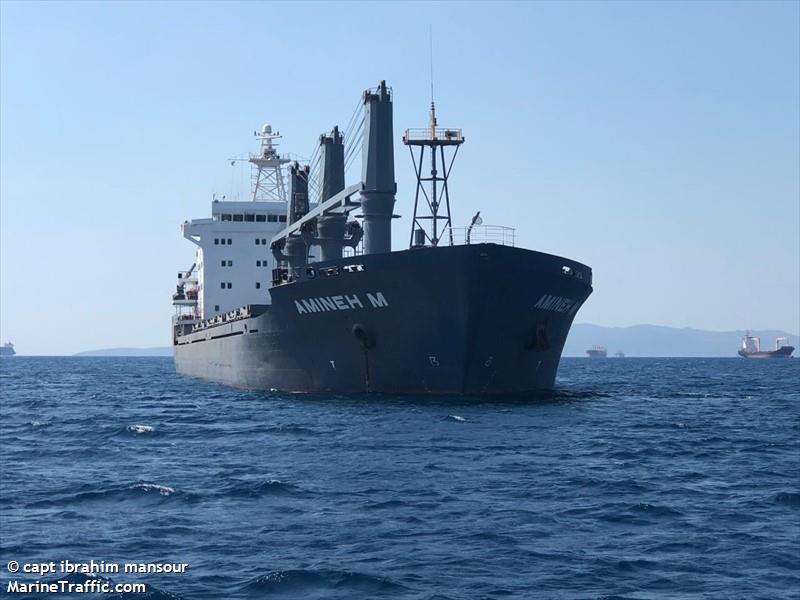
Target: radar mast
column 429, row 226
column 266, row 171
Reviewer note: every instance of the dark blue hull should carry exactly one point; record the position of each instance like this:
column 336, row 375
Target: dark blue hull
column 478, row 319
column 784, row 352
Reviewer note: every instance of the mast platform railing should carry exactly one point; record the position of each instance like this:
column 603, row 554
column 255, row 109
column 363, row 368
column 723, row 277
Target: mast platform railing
column 441, row 134
column 482, row 234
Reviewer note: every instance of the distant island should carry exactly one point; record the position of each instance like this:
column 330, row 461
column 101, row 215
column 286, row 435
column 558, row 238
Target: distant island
column 156, row 351
column 656, row 340
column 637, row 340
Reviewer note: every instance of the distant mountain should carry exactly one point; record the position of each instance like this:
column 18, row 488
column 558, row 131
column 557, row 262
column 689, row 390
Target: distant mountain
column 655, row 340
column 158, row 351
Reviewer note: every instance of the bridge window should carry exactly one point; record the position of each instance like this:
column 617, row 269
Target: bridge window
column 261, row 218
column 272, row 218
column 227, row 218
column 249, row 217
column 216, row 241
column 258, row 241
column 238, row 218
column 230, row 285
column 258, row 285
column 230, row 241
column 282, row 218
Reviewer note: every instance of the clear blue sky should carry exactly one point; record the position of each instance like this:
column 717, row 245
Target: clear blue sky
column 659, row 143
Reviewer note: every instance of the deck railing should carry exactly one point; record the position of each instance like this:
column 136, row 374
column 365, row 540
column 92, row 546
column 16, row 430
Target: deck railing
column 449, row 134
column 482, row 234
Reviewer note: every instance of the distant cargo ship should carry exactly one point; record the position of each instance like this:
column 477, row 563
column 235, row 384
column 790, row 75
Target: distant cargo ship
column 597, row 352
column 620, row 354
column 751, row 348
column 7, row 349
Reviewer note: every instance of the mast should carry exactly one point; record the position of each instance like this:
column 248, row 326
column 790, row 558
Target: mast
column 428, row 227
column 266, row 171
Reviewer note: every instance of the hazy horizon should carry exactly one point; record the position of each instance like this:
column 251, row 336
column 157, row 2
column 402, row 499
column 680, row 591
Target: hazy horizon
column 569, row 350
column 658, row 143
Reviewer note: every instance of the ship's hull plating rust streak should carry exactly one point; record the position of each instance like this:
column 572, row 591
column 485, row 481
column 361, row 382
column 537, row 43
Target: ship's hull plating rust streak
column 480, row 319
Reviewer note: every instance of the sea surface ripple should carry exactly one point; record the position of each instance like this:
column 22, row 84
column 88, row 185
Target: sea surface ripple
column 636, row 478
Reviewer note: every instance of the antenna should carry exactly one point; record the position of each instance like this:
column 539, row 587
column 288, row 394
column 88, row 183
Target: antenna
column 428, row 229
column 430, row 40
column 266, row 171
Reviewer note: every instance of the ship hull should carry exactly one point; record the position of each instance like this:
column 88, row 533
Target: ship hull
column 480, row 319
column 784, row 352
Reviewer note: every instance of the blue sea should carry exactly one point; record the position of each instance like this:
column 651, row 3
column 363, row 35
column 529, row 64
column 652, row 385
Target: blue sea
column 635, row 478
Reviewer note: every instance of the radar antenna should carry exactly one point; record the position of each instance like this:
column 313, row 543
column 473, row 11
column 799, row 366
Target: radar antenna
column 266, row 171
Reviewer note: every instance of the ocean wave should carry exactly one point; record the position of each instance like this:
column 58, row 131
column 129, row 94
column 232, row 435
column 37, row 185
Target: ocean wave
column 140, row 429
column 655, row 510
column 331, row 583
column 153, row 487
column 136, row 491
column 257, row 489
column 291, row 429
column 388, row 504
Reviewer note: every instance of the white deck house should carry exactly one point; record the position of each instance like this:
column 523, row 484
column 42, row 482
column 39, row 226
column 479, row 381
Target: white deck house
column 233, row 260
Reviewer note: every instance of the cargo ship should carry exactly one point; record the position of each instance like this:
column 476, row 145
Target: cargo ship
column 7, row 349
column 751, row 348
column 289, row 292
column 597, row 352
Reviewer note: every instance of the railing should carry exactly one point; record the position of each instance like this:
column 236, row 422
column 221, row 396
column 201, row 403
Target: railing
column 442, row 133
column 482, row 234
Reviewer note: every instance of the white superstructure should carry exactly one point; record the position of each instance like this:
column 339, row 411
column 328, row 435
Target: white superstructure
column 233, row 261
column 751, row 343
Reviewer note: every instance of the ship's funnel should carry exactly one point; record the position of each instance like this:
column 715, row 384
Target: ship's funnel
column 377, row 171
